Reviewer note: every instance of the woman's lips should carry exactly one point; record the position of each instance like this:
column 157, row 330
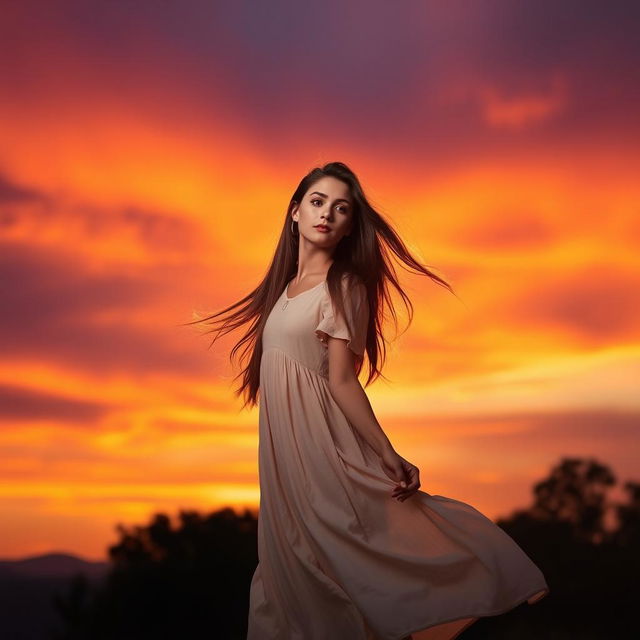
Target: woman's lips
column 323, row 229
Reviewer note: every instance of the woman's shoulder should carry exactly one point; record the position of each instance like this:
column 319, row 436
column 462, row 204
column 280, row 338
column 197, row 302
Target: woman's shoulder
column 353, row 288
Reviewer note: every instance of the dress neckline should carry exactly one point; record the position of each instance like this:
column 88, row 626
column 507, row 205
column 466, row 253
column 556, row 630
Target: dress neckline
column 301, row 293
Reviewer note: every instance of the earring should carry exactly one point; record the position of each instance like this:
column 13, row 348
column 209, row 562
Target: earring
column 292, row 231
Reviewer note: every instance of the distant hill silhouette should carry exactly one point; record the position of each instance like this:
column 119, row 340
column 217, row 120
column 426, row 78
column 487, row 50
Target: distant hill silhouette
column 61, row 565
column 28, row 587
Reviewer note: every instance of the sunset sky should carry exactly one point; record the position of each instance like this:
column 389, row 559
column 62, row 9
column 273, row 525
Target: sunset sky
column 148, row 151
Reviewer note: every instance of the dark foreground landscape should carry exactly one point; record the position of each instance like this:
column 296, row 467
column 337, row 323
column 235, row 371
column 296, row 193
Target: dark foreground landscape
column 190, row 579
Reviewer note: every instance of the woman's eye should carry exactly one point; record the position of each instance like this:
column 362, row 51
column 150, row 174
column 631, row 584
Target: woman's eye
column 340, row 207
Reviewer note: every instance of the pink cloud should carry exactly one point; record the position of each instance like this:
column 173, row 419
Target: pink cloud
column 520, row 110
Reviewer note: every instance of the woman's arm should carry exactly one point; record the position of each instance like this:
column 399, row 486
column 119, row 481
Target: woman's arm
column 352, row 399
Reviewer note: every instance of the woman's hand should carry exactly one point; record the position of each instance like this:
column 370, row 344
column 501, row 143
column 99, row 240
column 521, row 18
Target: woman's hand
column 403, row 472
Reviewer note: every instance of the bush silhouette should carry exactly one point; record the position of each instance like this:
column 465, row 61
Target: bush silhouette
column 184, row 582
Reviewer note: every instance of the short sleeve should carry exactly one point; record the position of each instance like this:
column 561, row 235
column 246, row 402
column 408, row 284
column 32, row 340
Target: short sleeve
column 353, row 327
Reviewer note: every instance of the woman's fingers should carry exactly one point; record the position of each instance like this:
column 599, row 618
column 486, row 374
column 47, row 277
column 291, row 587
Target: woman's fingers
column 412, row 473
column 404, row 495
column 405, row 474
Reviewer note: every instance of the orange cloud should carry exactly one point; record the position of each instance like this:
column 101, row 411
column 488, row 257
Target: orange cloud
column 141, row 182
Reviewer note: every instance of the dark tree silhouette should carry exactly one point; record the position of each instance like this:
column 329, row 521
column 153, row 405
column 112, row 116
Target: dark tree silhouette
column 187, row 582
column 591, row 574
column 575, row 493
column 628, row 532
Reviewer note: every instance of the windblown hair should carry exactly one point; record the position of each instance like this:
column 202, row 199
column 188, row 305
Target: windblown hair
column 364, row 254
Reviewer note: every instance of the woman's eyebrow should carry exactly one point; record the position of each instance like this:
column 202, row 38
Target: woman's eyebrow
column 324, row 195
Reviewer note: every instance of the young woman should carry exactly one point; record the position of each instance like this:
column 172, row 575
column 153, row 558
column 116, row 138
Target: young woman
column 349, row 547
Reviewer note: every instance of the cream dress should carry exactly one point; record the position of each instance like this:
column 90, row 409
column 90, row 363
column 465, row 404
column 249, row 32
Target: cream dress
column 339, row 558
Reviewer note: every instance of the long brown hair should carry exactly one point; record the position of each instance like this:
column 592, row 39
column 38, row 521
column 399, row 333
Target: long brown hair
column 363, row 254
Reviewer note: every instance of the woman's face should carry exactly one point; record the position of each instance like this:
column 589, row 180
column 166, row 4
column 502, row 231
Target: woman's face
column 327, row 202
